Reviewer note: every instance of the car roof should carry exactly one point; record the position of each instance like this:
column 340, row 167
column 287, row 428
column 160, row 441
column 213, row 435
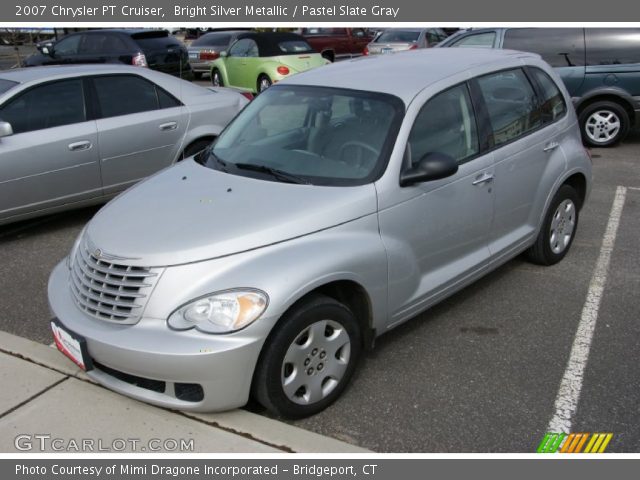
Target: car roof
column 127, row 31
column 47, row 73
column 51, row 72
column 405, row 74
column 268, row 41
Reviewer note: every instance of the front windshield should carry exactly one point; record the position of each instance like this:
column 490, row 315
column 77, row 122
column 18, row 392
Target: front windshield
column 317, row 135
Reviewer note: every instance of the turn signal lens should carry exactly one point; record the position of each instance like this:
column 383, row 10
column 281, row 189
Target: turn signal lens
column 282, row 70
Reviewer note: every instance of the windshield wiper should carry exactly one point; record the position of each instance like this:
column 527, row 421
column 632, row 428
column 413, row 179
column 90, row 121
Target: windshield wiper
column 274, row 172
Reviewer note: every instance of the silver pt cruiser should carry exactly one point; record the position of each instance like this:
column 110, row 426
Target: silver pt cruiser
column 337, row 205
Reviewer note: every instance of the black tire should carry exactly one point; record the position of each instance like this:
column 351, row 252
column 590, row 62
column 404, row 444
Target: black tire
column 542, row 252
column 195, row 147
column 216, row 78
column 268, row 380
column 197, row 75
column 263, row 83
column 594, row 125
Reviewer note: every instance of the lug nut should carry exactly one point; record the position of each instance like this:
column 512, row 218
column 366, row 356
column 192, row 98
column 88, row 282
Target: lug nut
column 323, row 354
column 310, row 371
column 320, row 366
column 314, row 351
column 307, row 362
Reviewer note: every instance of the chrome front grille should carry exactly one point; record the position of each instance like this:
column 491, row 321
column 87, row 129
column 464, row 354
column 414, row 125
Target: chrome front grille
column 110, row 291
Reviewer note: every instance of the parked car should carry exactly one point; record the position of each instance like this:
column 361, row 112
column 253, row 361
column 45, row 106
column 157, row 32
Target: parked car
column 207, row 48
column 337, row 43
column 78, row 135
column 400, row 39
column 337, row 205
column 156, row 49
column 258, row 60
column 599, row 66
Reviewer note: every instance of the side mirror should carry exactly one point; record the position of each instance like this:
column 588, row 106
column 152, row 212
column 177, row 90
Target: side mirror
column 5, row 129
column 433, row 166
column 224, row 54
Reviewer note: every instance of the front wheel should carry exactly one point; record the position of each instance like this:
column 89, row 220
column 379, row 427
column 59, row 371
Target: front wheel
column 264, row 82
column 603, row 124
column 558, row 230
column 309, row 359
column 216, row 78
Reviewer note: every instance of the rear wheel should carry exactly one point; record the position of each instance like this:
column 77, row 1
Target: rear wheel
column 309, row 359
column 558, row 230
column 603, row 124
column 264, row 82
column 216, row 78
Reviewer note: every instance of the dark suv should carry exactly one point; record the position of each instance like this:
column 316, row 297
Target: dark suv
column 599, row 66
column 156, row 49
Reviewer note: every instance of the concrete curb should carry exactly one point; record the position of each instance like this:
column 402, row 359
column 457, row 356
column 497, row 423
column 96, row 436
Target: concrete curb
column 278, row 435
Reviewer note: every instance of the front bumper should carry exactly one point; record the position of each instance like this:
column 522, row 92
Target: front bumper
column 152, row 363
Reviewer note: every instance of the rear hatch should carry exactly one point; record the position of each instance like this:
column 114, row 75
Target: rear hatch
column 163, row 52
column 301, row 63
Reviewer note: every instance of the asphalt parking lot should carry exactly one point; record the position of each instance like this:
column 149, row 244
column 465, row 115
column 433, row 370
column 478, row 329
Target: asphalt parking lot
column 478, row 373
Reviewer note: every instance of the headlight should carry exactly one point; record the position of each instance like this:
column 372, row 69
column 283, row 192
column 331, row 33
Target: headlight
column 222, row 312
column 72, row 254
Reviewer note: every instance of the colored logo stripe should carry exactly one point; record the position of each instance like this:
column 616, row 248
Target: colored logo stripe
column 574, row 443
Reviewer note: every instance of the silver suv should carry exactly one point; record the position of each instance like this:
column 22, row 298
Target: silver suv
column 336, row 206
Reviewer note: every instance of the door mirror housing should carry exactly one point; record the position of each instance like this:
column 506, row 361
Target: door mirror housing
column 5, row 129
column 433, row 166
column 45, row 47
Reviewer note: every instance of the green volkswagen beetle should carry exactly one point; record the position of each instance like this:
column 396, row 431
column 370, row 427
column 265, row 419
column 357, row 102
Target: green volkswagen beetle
column 257, row 60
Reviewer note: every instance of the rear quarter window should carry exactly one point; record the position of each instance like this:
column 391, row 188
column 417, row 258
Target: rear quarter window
column 612, row 46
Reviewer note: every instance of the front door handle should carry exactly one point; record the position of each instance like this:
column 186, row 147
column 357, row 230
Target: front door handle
column 483, row 178
column 169, row 126
column 77, row 146
column 551, row 146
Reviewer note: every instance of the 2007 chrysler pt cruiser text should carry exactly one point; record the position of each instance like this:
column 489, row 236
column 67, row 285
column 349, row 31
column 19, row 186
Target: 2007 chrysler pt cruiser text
column 323, row 216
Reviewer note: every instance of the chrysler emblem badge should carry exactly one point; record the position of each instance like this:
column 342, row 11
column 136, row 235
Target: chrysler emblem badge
column 97, row 253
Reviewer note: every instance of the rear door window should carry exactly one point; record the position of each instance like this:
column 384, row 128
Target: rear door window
column 102, row 43
column 612, row 46
column 511, row 103
column 124, row 95
column 559, row 47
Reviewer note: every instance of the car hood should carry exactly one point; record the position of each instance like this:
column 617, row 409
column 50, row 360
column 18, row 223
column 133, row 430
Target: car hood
column 189, row 213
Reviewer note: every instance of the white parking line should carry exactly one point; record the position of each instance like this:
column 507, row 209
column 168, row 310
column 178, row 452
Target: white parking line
column 634, row 188
column 569, row 393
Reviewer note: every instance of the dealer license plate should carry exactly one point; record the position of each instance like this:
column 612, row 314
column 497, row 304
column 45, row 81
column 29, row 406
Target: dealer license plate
column 72, row 345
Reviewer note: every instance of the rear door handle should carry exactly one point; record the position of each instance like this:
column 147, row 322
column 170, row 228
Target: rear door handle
column 551, row 146
column 169, row 126
column 483, row 178
column 77, row 146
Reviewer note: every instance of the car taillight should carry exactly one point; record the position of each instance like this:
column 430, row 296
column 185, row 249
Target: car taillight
column 139, row 60
column 209, row 54
column 248, row 95
column 365, row 51
column 413, row 47
column 282, row 70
